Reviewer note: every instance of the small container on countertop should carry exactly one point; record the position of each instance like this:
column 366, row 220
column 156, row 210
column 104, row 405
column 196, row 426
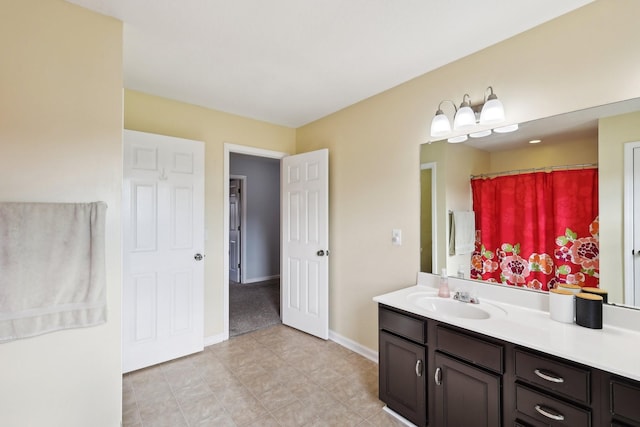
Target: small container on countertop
column 597, row 291
column 589, row 310
column 575, row 289
column 562, row 305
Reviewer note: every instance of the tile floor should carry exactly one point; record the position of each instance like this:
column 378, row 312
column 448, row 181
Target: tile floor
column 276, row 376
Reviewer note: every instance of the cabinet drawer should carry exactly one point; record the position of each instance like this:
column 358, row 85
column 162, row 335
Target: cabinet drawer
column 554, row 375
column 403, row 325
column 550, row 411
column 474, row 350
column 625, row 400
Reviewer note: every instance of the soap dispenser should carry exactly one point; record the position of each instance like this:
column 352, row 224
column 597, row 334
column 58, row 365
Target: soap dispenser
column 443, row 290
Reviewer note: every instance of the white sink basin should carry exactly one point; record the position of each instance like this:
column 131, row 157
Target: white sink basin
column 453, row 308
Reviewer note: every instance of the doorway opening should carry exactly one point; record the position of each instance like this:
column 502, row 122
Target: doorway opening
column 428, row 253
column 252, row 255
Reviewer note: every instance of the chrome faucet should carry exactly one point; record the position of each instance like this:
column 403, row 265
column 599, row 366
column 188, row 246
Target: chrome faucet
column 465, row 296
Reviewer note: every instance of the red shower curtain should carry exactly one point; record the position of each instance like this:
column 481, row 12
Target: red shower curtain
column 537, row 230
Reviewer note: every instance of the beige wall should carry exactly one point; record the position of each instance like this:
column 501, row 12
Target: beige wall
column 162, row 116
column 578, row 151
column 580, row 60
column 60, row 141
column 614, row 132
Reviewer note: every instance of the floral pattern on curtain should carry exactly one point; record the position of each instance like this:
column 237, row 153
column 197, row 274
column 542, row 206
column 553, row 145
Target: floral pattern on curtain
column 537, row 230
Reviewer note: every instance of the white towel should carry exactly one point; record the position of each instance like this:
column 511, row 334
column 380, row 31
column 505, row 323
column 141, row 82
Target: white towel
column 52, row 267
column 462, row 236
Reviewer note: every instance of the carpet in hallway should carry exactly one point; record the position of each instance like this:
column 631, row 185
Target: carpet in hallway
column 253, row 306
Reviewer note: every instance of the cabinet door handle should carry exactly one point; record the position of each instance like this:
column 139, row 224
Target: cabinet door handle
column 549, row 413
column 438, row 376
column 419, row 368
column 548, row 376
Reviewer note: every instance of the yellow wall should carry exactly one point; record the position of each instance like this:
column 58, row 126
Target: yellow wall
column 162, row 116
column 586, row 58
column 60, row 141
column 577, row 151
column 613, row 133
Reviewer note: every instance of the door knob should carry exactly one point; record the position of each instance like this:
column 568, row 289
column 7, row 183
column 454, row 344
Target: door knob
column 198, row 257
column 320, row 253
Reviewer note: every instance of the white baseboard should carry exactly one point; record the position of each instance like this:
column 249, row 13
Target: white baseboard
column 354, row 346
column 260, row 279
column 333, row 336
column 214, row 339
column 398, row 417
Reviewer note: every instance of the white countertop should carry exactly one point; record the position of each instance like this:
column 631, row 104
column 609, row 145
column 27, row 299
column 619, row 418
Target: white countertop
column 524, row 320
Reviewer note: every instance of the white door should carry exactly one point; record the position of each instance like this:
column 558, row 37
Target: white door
column 305, row 242
column 163, row 242
column 235, row 194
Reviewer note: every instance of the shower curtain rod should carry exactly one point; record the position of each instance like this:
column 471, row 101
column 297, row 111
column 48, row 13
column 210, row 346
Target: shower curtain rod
column 542, row 169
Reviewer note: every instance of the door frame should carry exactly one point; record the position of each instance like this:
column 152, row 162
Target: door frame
column 628, row 259
column 251, row 151
column 243, row 222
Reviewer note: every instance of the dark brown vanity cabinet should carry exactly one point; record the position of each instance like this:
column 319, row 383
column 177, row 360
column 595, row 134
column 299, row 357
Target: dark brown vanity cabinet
column 465, row 395
column 402, row 364
column 624, row 402
column 552, row 392
column 467, row 379
column 462, row 378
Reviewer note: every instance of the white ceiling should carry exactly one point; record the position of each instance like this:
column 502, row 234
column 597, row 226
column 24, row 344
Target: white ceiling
column 290, row 62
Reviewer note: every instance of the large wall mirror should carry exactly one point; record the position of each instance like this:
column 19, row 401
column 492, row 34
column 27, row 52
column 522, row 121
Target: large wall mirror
column 602, row 136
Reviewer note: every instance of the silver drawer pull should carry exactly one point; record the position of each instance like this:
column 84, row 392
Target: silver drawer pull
column 549, row 377
column 549, row 413
column 419, row 368
column 437, row 376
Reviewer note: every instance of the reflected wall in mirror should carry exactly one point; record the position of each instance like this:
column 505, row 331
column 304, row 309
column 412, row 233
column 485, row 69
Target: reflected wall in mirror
column 597, row 135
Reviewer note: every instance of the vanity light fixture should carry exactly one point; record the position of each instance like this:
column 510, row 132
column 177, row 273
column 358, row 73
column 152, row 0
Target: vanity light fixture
column 506, row 129
column 457, row 139
column 440, row 125
column 480, row 134
column 492, row 110
column 467, row 116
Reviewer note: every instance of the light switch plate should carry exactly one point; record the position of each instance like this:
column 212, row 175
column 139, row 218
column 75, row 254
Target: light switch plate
column 396, row 236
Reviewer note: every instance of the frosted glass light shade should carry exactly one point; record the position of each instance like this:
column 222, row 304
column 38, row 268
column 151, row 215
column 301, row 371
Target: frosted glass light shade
column 492, row 111
column 480, row 134
column 440, row 125
column 465, row 117
column 457, row 139
column 506, row 129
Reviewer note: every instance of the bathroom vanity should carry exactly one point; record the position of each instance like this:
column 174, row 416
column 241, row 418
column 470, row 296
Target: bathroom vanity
column 503, row 362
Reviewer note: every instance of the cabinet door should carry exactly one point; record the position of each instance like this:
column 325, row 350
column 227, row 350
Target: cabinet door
column 402, row 377
column 465, row 395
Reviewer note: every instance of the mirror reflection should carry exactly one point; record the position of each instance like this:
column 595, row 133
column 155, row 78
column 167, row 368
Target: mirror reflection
column 564, row 143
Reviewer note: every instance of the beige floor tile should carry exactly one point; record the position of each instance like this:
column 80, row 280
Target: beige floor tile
column 276, row 397
column 153, row 394
column 337, row 415
column 202, row 409
column 130, row 414
column 364, row 404
column 294, row 414
column 167, row 414
column 268, row 421
column 260, row 383
column 193, row 391
column 277, row 376
column 382, row 419
column 245, row 410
